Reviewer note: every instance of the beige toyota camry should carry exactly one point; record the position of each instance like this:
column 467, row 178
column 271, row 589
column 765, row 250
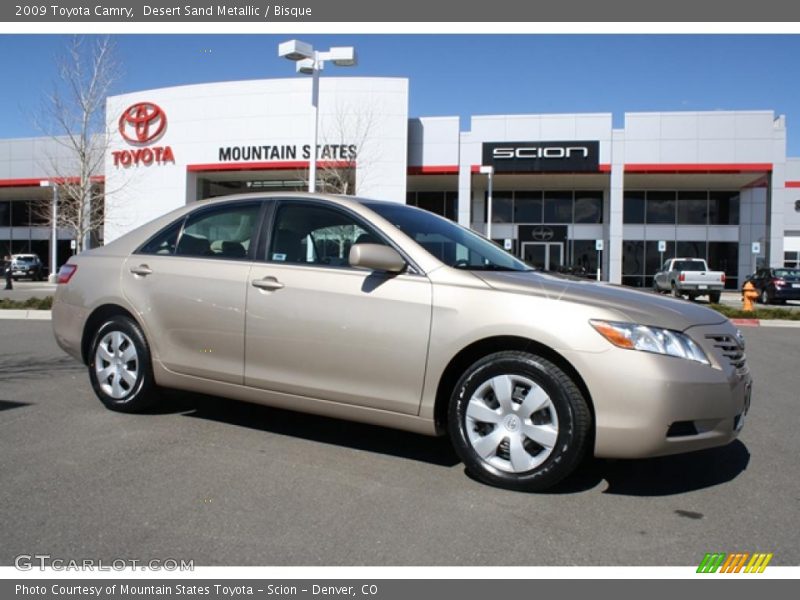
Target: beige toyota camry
column 387, row 314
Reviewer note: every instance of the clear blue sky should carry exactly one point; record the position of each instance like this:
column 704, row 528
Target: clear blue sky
column 461, row 74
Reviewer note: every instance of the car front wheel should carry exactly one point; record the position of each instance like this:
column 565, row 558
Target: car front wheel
column 518, row 421
column 120, row 368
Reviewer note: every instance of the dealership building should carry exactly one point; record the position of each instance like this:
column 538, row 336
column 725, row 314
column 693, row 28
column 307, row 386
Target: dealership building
column 567, row 190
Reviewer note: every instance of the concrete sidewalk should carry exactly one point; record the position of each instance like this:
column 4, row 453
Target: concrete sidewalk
column 37, row 315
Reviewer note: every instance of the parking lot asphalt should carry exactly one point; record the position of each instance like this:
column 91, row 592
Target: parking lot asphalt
column 227, row 483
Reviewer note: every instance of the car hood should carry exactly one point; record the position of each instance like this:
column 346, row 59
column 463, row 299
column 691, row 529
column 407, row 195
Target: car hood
column 633, row 306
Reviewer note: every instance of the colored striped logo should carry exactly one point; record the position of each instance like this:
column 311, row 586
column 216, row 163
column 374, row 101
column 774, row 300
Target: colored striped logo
column 736, row 562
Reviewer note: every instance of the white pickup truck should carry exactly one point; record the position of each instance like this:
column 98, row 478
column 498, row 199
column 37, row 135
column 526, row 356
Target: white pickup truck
column 689, row 277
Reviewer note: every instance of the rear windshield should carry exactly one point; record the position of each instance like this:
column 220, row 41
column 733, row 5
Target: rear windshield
column 690, row 265
column 791, row 273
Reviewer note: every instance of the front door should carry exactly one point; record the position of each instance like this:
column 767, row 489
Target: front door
column 319, row 328
column 546, row 256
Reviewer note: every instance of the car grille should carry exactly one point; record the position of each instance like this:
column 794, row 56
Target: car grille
column 729, row 348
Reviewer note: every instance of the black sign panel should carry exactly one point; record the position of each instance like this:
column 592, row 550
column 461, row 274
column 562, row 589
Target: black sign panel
column 542, row 157
column 542, row 233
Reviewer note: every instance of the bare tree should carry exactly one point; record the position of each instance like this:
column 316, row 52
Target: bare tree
column 74, row 116
column 348, row 140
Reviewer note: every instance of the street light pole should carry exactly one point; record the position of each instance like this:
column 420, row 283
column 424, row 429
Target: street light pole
column 489, row 170
column 312, row 165
column 311, row 62
column 53, row 229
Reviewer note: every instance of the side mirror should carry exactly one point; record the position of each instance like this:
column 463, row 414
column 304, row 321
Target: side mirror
column 376, row 257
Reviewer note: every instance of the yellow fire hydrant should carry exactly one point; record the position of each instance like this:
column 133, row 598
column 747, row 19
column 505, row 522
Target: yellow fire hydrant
column 749, row 294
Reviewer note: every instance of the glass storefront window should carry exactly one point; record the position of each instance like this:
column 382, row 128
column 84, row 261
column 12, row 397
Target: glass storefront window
column 528, row 207
column 692, row 208
column 633, row 257
column 724, row 256
column 584, row 255
column 588, row 207
column 723, row 208
column 653, row 260
column 451, row 205
column 691, row 249
column 502, row 207
column 633, row 208
column 558, row 207
column 661, row 208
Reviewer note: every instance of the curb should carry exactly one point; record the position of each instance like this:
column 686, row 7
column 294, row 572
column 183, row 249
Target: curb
column 34, row 315
column 765, row 323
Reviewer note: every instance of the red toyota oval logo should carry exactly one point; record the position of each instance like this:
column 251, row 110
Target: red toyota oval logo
column 142, row 123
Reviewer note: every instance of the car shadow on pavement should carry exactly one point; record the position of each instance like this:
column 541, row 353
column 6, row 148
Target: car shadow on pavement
column 348, row 434
column 15, row 367
column 9, row 404
column 662, row 476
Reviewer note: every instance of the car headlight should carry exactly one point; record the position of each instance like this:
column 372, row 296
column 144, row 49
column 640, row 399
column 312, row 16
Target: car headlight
column 650, row 339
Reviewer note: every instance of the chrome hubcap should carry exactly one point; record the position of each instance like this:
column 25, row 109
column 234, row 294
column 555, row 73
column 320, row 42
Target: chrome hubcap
column 511, row 423
column 116, row 364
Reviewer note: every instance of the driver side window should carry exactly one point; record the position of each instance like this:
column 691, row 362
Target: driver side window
column 312, row 234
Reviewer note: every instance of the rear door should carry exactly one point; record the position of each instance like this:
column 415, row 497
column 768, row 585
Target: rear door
column 189, row 286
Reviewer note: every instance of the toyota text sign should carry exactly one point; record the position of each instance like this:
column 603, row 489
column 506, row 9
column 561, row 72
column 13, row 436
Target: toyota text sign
column 542, row 157
column 140, row 125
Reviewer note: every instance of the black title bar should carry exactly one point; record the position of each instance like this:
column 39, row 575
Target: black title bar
column 469, row 11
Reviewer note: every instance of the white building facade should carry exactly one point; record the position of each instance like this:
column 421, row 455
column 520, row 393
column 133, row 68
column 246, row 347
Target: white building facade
column 568, row 191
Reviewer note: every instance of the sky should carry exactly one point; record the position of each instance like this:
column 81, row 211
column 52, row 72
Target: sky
column 458, row 74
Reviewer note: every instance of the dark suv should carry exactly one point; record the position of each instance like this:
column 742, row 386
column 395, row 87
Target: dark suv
column 777, row 284
column 27, row 265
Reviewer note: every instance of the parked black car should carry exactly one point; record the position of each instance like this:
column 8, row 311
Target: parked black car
column 776, row 284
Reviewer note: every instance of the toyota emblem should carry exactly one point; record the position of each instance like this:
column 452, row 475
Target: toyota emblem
column 142, row 123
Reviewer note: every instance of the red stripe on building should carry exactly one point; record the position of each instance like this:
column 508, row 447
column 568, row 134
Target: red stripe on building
column 37, row 181
column 697, row 167
column 433, row 170
column 602, row 168
column 269, row 166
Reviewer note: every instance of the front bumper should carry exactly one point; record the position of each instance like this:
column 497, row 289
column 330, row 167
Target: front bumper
column 653, row 405
column 786, row 293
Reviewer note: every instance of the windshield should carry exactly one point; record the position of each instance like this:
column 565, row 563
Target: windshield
column 452, row 244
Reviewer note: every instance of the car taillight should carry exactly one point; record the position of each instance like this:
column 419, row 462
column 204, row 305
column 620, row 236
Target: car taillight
column 65, row 273
column 722, row 278
column 681, row 277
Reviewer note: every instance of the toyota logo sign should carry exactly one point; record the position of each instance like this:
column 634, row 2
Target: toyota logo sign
column 142, row 123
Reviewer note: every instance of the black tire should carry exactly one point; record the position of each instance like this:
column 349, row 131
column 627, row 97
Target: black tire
column 714, row 297
column 674, row 291
column 135, row 388
column 572, row 421
column 763, row 297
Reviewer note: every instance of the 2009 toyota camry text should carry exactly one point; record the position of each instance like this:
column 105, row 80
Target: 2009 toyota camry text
column 388, row 314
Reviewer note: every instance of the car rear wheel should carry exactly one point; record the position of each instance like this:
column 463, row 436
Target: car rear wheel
column 518, row 421
column 764, row 297
column 675, row 292
column 119, row 368
column 714, row 297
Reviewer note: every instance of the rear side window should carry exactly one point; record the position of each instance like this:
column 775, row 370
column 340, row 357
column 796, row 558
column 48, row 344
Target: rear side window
column 220, row 232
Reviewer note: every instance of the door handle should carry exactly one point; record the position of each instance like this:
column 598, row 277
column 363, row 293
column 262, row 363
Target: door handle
column 268, row 283
column 141, row 270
